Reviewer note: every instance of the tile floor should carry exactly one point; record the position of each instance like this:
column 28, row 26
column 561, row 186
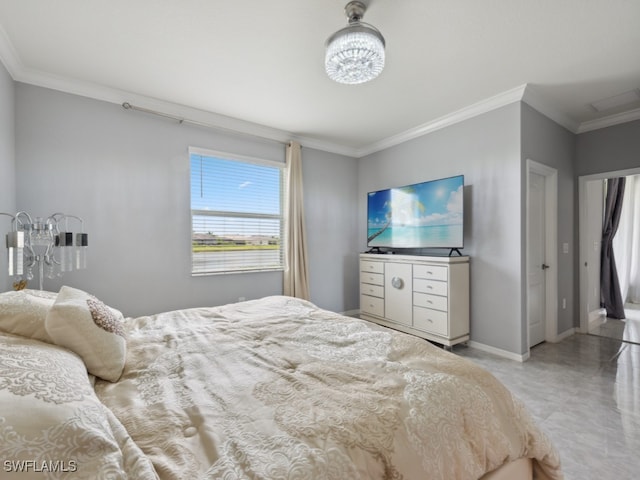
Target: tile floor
column 585, row 394
column 627, row 329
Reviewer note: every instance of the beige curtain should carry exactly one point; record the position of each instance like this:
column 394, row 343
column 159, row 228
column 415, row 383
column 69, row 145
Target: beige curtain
column 296, row 281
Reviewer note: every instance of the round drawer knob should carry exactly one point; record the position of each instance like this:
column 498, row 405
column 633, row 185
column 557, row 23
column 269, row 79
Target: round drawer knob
column 396, row 282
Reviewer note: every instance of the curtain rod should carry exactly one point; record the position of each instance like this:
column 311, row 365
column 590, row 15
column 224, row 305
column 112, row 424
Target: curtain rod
column 181, row 120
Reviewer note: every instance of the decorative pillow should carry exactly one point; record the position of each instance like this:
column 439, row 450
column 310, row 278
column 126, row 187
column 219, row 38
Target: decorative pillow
column 52, row 424
column 23, row 313
column 85, row 325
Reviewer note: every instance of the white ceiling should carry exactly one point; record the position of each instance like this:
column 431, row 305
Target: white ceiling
column 257, row 65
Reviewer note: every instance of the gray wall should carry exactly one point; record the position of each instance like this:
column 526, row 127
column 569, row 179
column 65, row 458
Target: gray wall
column 332, row 227
column 7, row 166
column 127, row 175
column 486, row 149
column 608, row 149
column 548, row 143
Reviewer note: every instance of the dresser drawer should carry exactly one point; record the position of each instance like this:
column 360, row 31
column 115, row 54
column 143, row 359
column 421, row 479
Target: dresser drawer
column 432, row 321
column 368, row 266
column 372, row 305
column 433, row 287
column 431, row 272
column 430, row 301
column 373, row 290
column 372, row 278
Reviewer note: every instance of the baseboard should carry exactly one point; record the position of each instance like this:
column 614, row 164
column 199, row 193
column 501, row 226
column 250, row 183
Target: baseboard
column 351, row 313
column 480, row 346
column 499, row 352
column 565, row 334
column 596, row 318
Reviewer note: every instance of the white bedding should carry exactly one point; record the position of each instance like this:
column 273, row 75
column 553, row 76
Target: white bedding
column 278, row 388
column 52, row 425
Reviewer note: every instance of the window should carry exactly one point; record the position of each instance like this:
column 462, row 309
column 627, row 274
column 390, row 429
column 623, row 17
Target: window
column 236, row 213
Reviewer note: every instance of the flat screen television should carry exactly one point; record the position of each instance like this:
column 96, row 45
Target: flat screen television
column 423, row 215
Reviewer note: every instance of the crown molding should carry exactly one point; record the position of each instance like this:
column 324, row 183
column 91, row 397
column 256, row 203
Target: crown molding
column 213, row 120
column 539, row 102
column 609, row 121
column 484, row 106
column 189, row 114
column 19, row 73
column 8, row 55
column 526, row 93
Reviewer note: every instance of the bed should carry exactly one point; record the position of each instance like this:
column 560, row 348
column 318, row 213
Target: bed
column 265, row 389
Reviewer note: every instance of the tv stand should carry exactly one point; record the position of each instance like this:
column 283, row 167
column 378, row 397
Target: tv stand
column 425, row 296
column 455, row 250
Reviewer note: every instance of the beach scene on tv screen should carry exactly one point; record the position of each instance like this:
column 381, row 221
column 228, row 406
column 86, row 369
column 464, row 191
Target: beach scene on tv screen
column 424, row 215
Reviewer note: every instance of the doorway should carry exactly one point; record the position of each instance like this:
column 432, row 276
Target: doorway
column 593, row 319
column 541, row 252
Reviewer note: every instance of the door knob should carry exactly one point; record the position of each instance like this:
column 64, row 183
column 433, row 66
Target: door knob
column 544, row 266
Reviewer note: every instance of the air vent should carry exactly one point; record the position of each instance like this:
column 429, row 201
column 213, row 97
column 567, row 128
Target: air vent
column 616, row 101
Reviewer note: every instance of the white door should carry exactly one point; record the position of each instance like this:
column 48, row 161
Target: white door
column 536, row 263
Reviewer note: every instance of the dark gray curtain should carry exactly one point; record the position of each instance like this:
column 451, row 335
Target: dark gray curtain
column 610, row 296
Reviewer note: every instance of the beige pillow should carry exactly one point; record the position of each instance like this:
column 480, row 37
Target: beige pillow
column 85, row 325
column 23, row 313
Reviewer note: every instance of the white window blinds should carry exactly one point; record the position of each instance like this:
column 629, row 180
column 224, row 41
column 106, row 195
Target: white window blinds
column 236, row 213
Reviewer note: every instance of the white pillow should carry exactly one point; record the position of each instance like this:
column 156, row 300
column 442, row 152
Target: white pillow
column 23, row 313
column 85, row 325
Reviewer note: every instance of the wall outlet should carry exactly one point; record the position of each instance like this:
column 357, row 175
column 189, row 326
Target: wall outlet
column 242, row 299
column 564, row 303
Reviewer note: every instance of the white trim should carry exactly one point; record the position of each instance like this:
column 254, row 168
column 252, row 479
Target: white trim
column 551, row 246
column 8, row 55
column 596, row 318
column 535, row 99
column 565, row 334
column 582, row 262
column 478, row 108
column 609, row 121
column 499, row 352
column 526, row 93
column 19, row 73
column 351, row 313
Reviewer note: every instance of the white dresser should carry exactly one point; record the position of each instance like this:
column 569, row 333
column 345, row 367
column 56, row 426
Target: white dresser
column 424, row 296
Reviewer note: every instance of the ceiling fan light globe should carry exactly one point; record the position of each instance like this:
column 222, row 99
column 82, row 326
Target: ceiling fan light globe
column 355, row 54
